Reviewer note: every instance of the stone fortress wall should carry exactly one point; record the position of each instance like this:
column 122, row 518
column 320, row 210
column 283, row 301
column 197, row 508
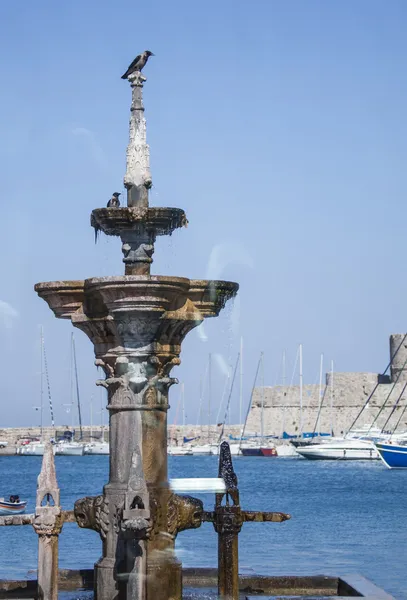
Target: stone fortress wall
column 350, row 392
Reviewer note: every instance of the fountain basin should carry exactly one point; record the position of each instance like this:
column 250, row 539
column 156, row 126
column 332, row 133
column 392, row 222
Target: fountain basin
column 99, row 297
column 136, row 311
column 160, row 220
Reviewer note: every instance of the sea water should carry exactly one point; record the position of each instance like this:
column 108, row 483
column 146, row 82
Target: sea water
column 347, row 517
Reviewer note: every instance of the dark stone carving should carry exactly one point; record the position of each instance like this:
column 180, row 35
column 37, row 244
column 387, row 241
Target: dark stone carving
column 92, row 512
column 227, row 473
column 184, row 512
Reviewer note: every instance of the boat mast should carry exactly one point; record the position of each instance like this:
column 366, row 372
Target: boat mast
column 251, row 397
column 209, row 395
column 332, row 394
column 48, row 386
column 183, row 409
column 241, row 382
column 91, row 417
column 321, row 366
column 42, row 382
column 301, row 415
column 262, row 398
column 77, row 386
column 284, row 368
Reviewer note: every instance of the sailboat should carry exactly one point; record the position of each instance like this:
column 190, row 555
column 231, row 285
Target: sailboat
column 95, row 446
column 208, row 448
column 180, row 450
column 69, row 447
column 257, row 447
column 316, row 436
column 37, row 448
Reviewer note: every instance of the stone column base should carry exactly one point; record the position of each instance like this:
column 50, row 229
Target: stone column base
column 105, row 586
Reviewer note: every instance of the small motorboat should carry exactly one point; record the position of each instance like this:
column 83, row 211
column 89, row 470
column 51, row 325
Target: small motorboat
column 12, row 506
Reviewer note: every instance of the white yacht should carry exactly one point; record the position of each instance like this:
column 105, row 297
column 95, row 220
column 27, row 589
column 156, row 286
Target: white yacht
column 284, row 450
column 340, row 449
column 96, row 448
column 68, row 448
column 32, row 449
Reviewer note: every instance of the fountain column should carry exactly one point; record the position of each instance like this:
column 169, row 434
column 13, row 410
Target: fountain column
column 138, row 404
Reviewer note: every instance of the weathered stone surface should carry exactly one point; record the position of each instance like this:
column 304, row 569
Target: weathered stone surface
column 47, row 524
column 398, row 357
column 138, row 177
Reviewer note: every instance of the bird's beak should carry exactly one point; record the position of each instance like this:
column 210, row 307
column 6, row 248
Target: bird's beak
column 152, row 54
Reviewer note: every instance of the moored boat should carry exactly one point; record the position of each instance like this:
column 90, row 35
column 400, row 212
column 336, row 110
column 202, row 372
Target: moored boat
column 394, row 456
column 179, row 451
column 96, row 448
column 268, row 451
column 342, row 449
column 234, row 449
column 284, row 450
column 32, row 449
column 251, row 450
column 68, row 449
column 13, row 506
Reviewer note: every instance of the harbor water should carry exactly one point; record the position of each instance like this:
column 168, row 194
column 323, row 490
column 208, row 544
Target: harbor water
column 347, row 517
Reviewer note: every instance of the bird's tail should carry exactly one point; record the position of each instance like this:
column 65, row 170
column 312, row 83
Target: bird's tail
column 125, row 75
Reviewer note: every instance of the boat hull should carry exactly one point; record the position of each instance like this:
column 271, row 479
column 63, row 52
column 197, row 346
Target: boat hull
column 179, row 451
column 251, row 451
column 12, row 508
column 393, row 456
column 31, row 450
column 68, row 450
column 204, row 450
column 346, row 450
column 286, row 450
column 268, row 452
column 97, row 448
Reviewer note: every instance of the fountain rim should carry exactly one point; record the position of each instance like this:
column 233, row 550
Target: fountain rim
column 146, row 279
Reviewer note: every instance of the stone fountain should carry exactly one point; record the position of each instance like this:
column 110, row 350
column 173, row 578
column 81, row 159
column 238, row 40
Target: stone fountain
column 137, row 323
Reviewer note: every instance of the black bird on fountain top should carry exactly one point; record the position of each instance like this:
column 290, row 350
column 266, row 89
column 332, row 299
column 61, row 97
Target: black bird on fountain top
column 138, row 63
column 114, row 201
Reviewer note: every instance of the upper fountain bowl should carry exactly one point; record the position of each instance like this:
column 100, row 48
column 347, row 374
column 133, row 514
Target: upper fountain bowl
column 160, row 220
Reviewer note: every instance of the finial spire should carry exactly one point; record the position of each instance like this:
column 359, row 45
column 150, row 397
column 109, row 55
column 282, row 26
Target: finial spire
column 47, row 480
column 137, row 180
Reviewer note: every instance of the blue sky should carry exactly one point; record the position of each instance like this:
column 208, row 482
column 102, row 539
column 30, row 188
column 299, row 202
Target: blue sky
column 278, row 125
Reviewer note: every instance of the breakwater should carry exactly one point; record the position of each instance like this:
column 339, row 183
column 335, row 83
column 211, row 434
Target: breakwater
column 15, row 436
